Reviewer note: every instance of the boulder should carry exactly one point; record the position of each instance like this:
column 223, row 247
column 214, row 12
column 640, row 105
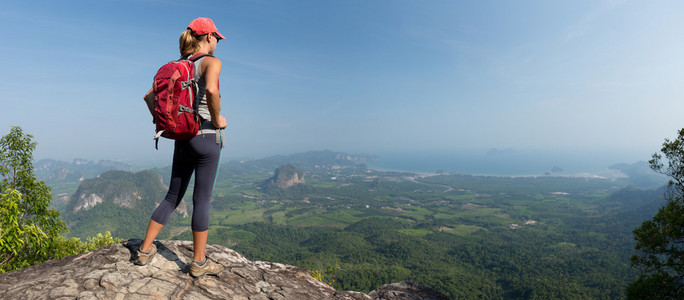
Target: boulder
column 109, row 273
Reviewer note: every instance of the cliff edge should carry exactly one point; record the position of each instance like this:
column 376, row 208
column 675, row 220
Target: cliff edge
column 109, row 273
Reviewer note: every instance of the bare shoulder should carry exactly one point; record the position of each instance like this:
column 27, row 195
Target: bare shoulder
column 211, row 62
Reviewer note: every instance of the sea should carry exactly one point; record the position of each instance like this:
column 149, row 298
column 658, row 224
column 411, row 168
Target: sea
column 503, row 162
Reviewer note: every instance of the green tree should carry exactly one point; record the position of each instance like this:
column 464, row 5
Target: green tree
column 31, row 225
column 30, row 231
column 660, row 241
column 14, row 233
column 16, row 169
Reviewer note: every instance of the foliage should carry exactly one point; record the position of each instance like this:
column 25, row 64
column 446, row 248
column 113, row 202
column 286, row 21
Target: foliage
column 30, row 231
column 327, row 275
column 31, row 221
column 527, row 263
column 23, row 244
column 15, row 235
column 101, row 240
column 17, row 171
column 660, row 241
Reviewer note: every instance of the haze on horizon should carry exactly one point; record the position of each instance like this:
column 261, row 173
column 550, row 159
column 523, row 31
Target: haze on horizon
column 581, row 77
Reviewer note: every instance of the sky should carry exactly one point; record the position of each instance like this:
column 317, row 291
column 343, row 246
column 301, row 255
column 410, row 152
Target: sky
column 355, row 76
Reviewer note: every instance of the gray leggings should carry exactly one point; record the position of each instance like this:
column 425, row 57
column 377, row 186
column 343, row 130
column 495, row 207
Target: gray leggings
column 201, row 155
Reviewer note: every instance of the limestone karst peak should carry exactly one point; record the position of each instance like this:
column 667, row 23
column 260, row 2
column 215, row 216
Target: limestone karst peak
column 284, row 177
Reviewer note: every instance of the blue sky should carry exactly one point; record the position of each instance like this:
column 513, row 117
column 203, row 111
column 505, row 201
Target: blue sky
column 356, row 76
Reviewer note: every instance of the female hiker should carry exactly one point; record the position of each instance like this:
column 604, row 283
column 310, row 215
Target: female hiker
column 199, row 154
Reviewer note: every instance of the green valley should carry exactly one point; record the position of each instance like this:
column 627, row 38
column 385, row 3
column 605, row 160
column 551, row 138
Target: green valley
column 466, row 236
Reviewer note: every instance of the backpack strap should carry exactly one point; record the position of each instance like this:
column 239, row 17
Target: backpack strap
column 156, row 139
column 195, row 57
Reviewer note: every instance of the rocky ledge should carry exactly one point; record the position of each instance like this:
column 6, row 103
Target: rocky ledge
column 109, row 273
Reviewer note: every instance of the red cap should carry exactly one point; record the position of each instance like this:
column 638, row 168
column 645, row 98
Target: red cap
column 201, row 26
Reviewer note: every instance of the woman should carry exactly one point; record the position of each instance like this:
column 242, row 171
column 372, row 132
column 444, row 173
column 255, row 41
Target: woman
column 199, row 154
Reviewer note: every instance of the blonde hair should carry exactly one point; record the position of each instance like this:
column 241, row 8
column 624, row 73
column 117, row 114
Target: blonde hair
column 188, row 42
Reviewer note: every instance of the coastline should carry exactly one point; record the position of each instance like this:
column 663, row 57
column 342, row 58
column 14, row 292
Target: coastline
column 608, row 174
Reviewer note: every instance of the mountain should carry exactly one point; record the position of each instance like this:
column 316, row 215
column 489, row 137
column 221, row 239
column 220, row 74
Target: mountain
column 125, row 189
column 310, row 161
column 117, row 201
column 109, row 273
column 640, row 175
column 318, row 163
column 284, row 177
column 63, row 177
column 54, row 171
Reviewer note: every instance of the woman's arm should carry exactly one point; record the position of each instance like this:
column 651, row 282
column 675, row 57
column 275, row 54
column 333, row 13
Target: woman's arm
column 149, row 99
column 211, row 77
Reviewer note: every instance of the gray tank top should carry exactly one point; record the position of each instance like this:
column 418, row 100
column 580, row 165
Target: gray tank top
column 202, row 106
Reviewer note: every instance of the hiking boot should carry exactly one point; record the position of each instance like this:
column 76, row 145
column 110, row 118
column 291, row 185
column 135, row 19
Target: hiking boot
column 209, row 268
column 143, row 258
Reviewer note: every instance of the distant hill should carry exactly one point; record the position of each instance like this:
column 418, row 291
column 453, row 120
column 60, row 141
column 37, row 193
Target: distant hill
column 122, row 202
column 55, row 171
column 318, row 162
column 117, row 201
column 284, row 177
column 310, row 161
column 312, row 164
column 63, row 177
column 640, row 175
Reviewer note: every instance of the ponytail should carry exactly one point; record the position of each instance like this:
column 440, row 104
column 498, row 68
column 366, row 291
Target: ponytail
column 188, row 43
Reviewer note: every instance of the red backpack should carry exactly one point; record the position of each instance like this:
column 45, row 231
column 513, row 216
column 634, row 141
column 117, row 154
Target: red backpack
column 175, row 103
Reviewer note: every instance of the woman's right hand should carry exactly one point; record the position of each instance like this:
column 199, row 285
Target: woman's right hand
column 220, row 123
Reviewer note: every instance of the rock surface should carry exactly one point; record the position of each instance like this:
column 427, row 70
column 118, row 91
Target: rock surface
column 406, row 290
column 109, row 273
